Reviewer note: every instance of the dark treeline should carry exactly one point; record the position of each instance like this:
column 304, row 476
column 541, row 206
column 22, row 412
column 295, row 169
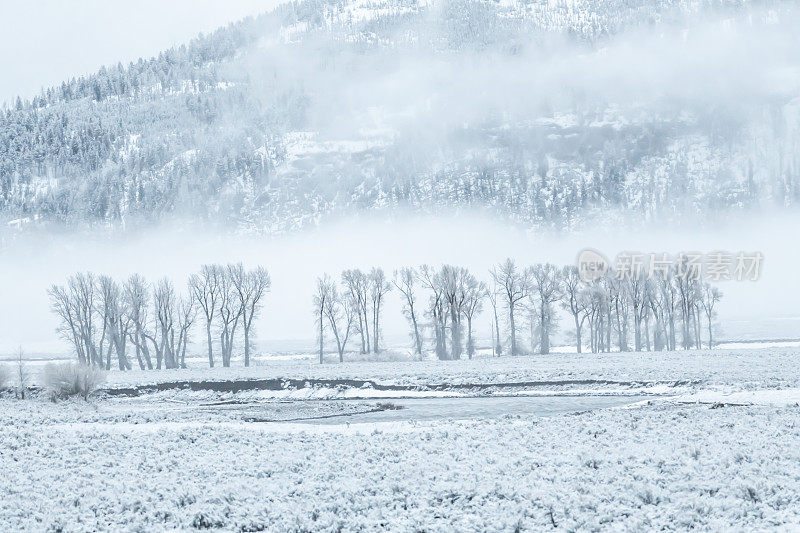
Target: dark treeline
column 661, row 312
column 102, row 318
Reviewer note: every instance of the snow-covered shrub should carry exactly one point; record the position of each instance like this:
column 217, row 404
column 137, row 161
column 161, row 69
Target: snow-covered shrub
column 70, row 379
column 206, row 521
column 5, row 376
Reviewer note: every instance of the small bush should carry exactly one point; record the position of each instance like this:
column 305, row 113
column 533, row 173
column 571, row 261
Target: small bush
column 5, row 377
column 206, row 521
column 750, row 494
column 70, row 379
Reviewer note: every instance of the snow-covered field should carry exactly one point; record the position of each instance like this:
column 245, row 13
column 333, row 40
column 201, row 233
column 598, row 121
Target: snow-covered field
column 774, row 367
column 719, row 451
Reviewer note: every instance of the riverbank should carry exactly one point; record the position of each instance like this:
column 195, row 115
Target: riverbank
column 741, row 367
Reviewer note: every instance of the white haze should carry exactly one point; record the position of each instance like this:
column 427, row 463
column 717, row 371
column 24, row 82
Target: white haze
column 733, row 66
column 728, row 65
column 295, row 261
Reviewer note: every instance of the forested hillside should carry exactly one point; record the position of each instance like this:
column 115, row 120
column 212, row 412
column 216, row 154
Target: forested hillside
column 548, row 113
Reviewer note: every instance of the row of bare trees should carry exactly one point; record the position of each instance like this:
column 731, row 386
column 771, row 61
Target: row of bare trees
column 441, row 305
column 102, row 318
column 651, row 308
column 353, row 306
column 656, row 311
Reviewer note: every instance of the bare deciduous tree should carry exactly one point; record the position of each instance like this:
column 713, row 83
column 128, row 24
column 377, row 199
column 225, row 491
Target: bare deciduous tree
column 475, row 292
column 710, row 296
column 573, row 300
column 453, row 280
column 638, row 297
column 323, row 293
column 341, row 314
column 405, row 280
column 230, row 311
column 205, row 288
column 116, row 320
column 251, row 286
column 22, row 376
column 136, row 296
column 618, row 303
column 378, row 288
column 357, row 286
column 63, row 305
column 164, row 303
column 76, row 306
column 82, row 289
column 514, row 286
column 187, row 312
column 655, row 302
column 492, row 294
column 546, row 285
column 437, row 308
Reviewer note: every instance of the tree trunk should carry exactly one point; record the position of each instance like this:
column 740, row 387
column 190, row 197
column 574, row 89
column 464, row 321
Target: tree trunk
column 417, row 338
column 210, row 349
column 375, row 332
column 710, row 337
column 672, row 340
column 223, row 342
column 247, row 346
column 470, row 342
column 139, row 357
column 119, row 341
column 321, row 340
column 622, row 330
column 108, row 356
column 513, row 331
column 544, row 334
column 361, row 331
column 183, row 349
column 455, row 334
column 697, row 327
column 146, row 351
column 577, row 333
column 366, row 327
column 498, row 346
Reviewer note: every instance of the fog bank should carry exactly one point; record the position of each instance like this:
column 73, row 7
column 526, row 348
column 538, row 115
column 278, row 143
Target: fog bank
column 294, row 261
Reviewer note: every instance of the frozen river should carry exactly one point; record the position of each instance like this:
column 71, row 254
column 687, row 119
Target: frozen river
column 479, row 407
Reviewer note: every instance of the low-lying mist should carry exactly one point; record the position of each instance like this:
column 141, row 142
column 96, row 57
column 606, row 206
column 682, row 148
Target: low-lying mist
column 294, row 261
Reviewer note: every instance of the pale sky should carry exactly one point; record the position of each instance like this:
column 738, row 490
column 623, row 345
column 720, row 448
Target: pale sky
column 43, row 42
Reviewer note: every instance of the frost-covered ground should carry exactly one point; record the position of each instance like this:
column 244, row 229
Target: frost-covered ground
column 659, row 466
column 721, row 452
column 742, row 367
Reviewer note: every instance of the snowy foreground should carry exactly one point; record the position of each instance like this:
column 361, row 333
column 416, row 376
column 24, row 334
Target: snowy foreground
column 721, row 453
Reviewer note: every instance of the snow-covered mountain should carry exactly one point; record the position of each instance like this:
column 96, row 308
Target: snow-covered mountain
column 554, row 113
